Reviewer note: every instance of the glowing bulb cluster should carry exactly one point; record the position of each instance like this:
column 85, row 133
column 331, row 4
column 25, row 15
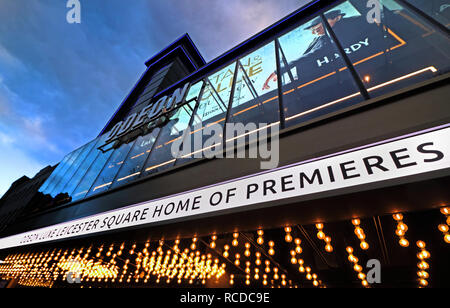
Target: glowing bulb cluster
column 288, row 237
column 247, row 250
column 307, row 271
column 258, row 258
column 271, row 249
column 267, row 269
column 213, row 242
column 298, row 250
column 235, row 241
column 260, row 239
column 402, row 228
column 423, row 265
column 194, row 243
column 225, row 252
column 322, row 236
column 359, row 232
column 444, row 228
column 356, row 267
column 237, row 257
column 43, row 269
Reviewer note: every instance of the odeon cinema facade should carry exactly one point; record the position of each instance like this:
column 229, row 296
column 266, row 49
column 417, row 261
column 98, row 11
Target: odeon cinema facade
column 350, row 104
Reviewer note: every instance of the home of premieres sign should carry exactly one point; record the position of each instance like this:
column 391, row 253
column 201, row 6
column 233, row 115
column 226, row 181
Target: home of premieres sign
column 416, row 153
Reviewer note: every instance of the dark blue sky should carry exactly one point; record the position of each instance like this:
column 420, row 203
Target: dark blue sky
column 61, row 82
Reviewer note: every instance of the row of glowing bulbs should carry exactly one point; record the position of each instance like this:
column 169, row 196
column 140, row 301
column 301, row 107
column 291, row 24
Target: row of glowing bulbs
column 97, row 270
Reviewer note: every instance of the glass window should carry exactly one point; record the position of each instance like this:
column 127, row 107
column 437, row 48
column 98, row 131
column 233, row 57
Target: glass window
column 194, row 91
column 110, row 170
column 84, row 151
column 93, row 171
column 172, row 128
column 212, row 109
column 132, row 167
column 398, row 50
column 48, row 183
column 436, row 9
column 253, row 101
column 81, row 171
column 61, row 173
column 315, row 79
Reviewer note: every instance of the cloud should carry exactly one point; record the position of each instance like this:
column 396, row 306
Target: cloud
column 5, row 139
column 23, row 129
column 216, row 26
column 6, row 58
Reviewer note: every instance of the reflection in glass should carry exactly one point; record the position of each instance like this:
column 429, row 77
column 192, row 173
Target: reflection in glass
column 72, row 169
column 255, row 103
column 49, row 183
column 62, row 172
column 161, row 157
column 399, row 50
column 194, row 91
column 81, row 171
column 439, row 10
column 315, row 79
column 212, row 109
column 92, row 173
column 133, row 165
column 108, row 174
column 253, row 100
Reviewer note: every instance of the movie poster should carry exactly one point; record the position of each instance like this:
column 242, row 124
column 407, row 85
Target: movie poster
column 307, row 49
column 251, row 77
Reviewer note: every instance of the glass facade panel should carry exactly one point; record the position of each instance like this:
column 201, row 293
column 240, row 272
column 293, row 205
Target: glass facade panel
column 62, row 172
column 253, row 101
column 81, row 171
column 255, row 104
column 92, row 173
column 194, row 91
column 439, row 10
column 315, row 79
column 84, row 151
column 161, row 157
column 399, row 50
column 49, row 182
column 110, row 170
column 132, row 167
column 212, row 109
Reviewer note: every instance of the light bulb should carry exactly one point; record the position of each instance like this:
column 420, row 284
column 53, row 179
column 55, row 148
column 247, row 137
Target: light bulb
column 443, row 228
column 397, row 217
column 404, row 242
column 364, row 245
column 320, row 235
column 447, row 238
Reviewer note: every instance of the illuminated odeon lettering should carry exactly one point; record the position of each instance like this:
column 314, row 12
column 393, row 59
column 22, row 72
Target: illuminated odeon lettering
column 163, row 105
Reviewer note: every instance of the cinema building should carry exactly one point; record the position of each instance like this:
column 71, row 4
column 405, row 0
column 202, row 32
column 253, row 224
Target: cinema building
column 351, row 104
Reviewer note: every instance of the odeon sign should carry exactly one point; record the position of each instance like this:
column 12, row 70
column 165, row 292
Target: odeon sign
column 151, row 112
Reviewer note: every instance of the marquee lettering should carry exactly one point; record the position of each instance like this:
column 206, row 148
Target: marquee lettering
column 163, row 105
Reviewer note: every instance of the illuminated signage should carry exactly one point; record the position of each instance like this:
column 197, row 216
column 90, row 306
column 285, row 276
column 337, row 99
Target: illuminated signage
column 396, row 158
column 163, row 105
